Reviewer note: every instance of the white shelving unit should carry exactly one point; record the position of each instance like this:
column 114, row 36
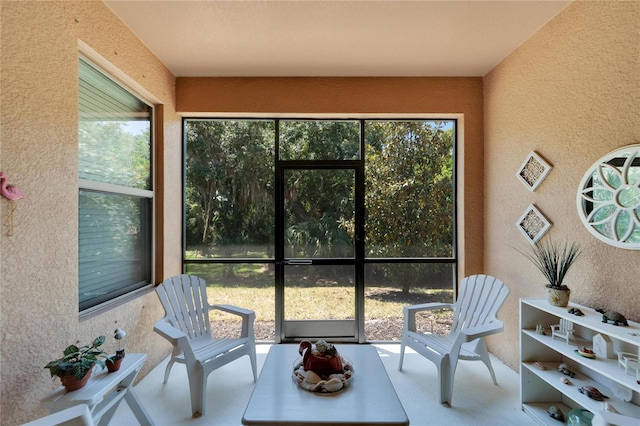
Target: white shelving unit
column 540, row 389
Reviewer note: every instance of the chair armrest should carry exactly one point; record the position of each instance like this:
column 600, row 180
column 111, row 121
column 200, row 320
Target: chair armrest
column 426, row 307
column 409, row 313
column 235, row 310
column 470, row 334
column 627, row 355
column 178, row 338
column 248, row 317
column 169, row 332
column 473, row 333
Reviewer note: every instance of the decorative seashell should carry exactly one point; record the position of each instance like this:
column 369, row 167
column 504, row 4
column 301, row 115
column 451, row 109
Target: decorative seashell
column 336, row 376
column 309, row 386
column 311, row 377
column 300, row 373
column 593, row 393
column 333, row 385
column 610, row 408
column 539, row 365
column 321, row 346
column 564, row 369
column 556, row 413
column 331, row 350
column 565, row 380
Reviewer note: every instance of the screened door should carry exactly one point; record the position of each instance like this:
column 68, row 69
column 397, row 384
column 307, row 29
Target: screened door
column 318, row 267
column 319, row 228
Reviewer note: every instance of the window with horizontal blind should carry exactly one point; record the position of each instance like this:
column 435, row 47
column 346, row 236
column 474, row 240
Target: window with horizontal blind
column 115, row 218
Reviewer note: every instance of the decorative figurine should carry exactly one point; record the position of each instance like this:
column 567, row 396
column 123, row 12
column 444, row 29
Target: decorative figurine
column 539, row 366
column 603, row 346
column 576, row 312
column 565, row 380
column 564, row 330
column 323, row 360
column 556, row 413
column 610, row 408
column 564, row 369
column 586, row 352
column 592, row 393
column 613, row 316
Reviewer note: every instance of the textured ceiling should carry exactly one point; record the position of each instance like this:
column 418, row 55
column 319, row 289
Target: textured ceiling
column 333, row 38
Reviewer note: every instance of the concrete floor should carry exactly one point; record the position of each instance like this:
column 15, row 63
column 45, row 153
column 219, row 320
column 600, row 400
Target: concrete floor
column 476, row 401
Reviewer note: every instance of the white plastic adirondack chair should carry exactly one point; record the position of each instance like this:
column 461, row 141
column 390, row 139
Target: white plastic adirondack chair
column 475, row 316
column 187, row 326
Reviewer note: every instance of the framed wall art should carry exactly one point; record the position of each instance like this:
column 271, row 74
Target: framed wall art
column 533, row 171
column 608, row 198
column 533, row 224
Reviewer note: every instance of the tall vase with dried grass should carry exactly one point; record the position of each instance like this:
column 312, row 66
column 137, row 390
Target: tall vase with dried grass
column 554, row 261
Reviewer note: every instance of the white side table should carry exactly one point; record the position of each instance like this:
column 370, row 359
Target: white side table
column 104, row 392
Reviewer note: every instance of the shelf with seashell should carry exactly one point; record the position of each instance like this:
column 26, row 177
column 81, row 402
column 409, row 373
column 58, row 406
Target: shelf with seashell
column 553, row 374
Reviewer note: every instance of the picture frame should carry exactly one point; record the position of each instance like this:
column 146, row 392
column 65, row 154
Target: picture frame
column 533, row 171
column 533, row 224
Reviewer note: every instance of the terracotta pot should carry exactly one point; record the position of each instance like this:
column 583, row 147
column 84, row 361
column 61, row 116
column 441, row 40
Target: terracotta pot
column 117, row 361
column 115, row 365
column 557, row 297
column 70, row 382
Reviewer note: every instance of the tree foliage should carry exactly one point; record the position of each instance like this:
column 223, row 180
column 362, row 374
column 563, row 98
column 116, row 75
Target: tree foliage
column 408, row 198
column 319, row 204
column 409, row 189
column 229, row 191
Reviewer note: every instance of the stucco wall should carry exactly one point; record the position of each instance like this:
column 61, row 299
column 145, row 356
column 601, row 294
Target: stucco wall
column 572, row 94
column 361, row 97
column 38, row 151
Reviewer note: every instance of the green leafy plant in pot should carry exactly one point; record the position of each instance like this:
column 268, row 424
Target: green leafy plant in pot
column 554, row 261
column 74, row 368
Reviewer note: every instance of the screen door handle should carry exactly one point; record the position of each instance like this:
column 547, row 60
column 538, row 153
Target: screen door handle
column 298, row 262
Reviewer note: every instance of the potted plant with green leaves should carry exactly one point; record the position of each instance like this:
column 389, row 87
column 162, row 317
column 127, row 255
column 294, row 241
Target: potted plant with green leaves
column 114, row 361
column 74, row 368
column 554, row 261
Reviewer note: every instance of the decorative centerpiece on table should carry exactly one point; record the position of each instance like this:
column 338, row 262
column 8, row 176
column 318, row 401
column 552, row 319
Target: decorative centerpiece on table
column 322, row 368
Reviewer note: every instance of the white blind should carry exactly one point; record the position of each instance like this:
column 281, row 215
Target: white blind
column 103, row 99
column 115, row 223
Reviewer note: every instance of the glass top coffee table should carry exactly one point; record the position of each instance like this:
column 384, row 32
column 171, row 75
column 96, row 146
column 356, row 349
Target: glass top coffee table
column 369, row 400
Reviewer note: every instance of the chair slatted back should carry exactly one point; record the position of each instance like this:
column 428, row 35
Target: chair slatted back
column 184, row 299
column 479, row 299
column 566, row 325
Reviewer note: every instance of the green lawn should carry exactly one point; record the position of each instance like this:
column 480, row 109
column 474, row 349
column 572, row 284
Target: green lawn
column 252, row 287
